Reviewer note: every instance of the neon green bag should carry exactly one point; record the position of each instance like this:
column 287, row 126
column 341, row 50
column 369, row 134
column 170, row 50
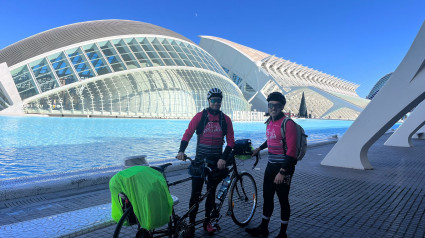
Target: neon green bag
column 148, row 193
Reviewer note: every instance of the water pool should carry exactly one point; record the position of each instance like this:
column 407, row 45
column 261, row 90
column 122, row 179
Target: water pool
column 31, row 146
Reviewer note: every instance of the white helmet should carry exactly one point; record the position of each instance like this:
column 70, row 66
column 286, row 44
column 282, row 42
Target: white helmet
column 214, row 92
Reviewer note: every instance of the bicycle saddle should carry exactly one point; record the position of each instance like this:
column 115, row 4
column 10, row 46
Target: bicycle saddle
column 161, row 167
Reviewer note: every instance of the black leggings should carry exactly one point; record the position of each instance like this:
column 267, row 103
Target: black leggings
column 197, row 184
column 282, row 191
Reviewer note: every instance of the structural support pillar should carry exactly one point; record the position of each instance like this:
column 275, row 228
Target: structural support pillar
column 403, row 135
column 403, row 91
column 7, row 85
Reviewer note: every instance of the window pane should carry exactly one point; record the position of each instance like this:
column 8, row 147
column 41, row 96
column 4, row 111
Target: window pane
column 24, row 82
column 62, row 68
column 139, row 53
column 96, row 59
column 80, row 64
column 43, row 74
column 112, row 56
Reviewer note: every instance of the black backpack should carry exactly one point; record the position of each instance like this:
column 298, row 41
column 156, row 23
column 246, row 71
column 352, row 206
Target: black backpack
column 242, row 147
column 204, row 121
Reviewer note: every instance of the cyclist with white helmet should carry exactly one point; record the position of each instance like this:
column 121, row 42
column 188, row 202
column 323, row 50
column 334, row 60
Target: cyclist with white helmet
column 211, row 125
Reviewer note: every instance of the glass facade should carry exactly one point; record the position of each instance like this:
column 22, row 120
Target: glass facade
column 135, row 76
column 101, row 58
column 226, row 70
column 172, row 93
column 236, row 79
column 381, row 82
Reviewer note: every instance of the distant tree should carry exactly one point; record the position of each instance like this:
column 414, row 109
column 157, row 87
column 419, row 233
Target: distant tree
column 303, row 108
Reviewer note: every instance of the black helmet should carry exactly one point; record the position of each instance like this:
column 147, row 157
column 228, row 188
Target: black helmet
column 277, row 96
column 214, row 92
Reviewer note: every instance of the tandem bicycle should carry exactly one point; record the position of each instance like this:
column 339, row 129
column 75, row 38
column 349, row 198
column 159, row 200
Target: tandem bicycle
column 242, row 203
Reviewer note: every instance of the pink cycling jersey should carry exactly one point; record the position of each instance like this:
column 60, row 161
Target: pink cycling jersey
column 274, row 138
column 212, row 134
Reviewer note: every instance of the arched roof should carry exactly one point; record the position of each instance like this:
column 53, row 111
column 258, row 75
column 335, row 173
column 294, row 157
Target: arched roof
column 253, row 54
column 76, row 33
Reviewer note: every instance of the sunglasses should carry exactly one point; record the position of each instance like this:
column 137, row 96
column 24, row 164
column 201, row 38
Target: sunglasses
column 215, row 100
column 275, row 105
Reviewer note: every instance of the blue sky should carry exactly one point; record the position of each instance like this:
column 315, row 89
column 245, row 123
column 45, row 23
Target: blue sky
column 359, row 41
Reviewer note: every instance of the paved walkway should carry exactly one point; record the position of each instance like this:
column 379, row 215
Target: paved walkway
column 388, row 201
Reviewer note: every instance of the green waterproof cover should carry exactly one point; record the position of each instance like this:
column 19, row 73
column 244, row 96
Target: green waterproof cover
column 148, row 193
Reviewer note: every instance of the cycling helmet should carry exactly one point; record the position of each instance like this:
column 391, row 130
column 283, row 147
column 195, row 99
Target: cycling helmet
column 214, row 92
column 277, row 96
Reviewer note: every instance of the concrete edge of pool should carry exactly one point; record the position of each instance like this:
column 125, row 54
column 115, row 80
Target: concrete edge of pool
column 25, row 187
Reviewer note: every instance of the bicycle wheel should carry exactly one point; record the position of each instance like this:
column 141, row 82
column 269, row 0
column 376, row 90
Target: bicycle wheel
column 181, row 230
column 129, row 231
column 243, row 199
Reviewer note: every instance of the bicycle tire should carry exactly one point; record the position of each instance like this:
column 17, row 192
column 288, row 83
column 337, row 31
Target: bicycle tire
column 243, row 199
column 181, row 230
column 139, row 233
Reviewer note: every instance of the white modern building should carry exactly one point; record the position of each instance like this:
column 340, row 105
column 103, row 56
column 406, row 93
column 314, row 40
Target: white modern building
column 111, row 68
column 258, row 74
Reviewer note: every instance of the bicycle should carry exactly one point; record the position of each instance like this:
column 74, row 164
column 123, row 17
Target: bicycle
column 240, row 197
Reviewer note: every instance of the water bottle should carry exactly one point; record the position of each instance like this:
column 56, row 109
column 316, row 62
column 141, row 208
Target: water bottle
column 221, row 194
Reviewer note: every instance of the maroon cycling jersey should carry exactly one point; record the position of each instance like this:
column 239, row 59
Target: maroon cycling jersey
column 210, row 142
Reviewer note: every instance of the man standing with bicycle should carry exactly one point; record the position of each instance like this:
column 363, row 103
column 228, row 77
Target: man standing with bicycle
column 211, row 125
column 280, row 167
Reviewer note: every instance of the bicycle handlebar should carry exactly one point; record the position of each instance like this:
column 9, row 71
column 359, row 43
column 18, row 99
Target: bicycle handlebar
column 257, row 159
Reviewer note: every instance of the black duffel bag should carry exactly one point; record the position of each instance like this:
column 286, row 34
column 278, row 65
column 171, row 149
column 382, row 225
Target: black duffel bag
column 243, row 149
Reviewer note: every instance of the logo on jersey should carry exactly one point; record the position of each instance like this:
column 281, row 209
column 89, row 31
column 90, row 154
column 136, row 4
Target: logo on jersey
column 212, row 128
column 271, row 134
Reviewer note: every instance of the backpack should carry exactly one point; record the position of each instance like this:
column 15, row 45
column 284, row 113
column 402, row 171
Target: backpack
column 204, row 121
column 301, row 142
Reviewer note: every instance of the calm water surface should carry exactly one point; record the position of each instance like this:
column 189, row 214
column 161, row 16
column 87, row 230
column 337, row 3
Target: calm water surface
column 42, row 145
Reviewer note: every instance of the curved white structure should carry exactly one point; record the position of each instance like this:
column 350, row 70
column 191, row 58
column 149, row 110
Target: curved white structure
column 112, row 68
column 402, row 92
column 403, row 135
column 258, row 74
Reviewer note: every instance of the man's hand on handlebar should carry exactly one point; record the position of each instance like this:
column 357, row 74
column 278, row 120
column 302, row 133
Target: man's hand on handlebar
column 221, row 164
column 181, row 156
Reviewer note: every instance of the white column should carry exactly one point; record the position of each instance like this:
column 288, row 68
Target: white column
column 403, row 135
column 8, row 87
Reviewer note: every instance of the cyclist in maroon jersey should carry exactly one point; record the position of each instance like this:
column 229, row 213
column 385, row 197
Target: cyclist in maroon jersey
column 211, row 125
column 280, row 166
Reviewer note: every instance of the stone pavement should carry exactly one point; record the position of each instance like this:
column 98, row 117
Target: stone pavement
column 388, row 201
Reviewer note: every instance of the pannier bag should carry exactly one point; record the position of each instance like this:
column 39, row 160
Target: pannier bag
column 196, row 169
column 148, row 193
column 243, row 149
